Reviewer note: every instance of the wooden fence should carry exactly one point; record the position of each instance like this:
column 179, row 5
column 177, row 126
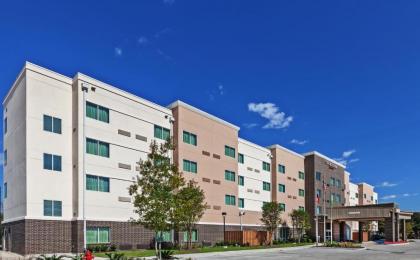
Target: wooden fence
column 247, row 237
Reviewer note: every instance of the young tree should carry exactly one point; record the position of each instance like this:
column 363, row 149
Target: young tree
column 300, row 222
column 190, row 207
column 155, row 188
column 271, row 218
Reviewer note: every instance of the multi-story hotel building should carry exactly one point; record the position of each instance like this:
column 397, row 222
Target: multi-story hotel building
column 72, row 147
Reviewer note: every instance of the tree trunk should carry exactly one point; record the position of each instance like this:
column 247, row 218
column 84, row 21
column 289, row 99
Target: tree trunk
column 189, row 239
column 271, row 238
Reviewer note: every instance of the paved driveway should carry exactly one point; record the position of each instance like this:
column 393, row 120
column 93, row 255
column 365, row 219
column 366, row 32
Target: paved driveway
column 372, row 252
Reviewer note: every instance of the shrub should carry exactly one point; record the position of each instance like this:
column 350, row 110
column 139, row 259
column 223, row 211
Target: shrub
column 167, row 254
column 112, row 248
column 53, row 257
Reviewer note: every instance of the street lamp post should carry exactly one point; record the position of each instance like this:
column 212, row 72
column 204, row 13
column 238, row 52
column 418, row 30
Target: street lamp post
column 224, row 227
column 241, row 213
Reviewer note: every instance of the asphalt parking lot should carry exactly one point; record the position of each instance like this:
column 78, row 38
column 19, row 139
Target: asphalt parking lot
column 371, row 252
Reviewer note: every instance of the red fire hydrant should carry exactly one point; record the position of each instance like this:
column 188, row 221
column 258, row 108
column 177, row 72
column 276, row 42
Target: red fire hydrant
column 89, row 255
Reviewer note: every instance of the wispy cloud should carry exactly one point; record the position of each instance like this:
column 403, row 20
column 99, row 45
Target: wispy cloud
column 163, row 54
column 162, row 32
column 168, row 2
column 386, row 184
column 221, row 89
column 215, row 92
column 142, row 40
column 345, row 157
column 276, row 118
column 389, row 197
column 118, row 51
column 299, row 142
column 250, row 125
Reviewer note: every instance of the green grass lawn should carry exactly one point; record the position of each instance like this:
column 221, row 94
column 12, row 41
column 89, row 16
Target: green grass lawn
column 148, row 252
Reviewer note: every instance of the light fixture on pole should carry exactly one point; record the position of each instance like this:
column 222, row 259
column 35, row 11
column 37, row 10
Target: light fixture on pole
column 241, row 213
column 224, row 227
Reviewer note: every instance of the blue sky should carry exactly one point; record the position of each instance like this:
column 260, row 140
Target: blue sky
column 340, row 77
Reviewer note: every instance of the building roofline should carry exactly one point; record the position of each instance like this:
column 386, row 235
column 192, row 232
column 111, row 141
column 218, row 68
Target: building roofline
column 324, row 157
column 277, row 146
column 118, row 91
column 241, row 140
column 38, row 69
column 367, row 184
column 201, row 112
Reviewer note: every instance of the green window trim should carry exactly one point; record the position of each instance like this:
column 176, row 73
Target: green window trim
column 318, row 176
column 5, row 190
column 96, row 147
column 97, row 112
column 301, row 175
column 189, row 166
column 97, row 235
column 97, row 183
column 194, row 236
column 301, row 208
column 241, row 180
column 266, row 186
column 241, row 158
column 266, row 166
column 52, row 208
column 281, row 168
column 282, row 207
column 52, row 124
column 230, row 200
column 241, row 203
column 162, row 132
column 301, row 193
column 230, row 151
column 166, row 236
column 282, row 188
column 189, row 138
column 229, row 175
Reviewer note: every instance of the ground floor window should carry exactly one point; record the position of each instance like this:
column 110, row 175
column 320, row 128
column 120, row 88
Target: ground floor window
column 97, row 235
column 166, row 236
column 194, row 236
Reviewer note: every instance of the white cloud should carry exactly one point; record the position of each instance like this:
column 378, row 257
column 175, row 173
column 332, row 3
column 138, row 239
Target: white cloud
column 143, row 40
column 388, row 197
column 168, row 2
column 117, row 51
column 345, row 157
column 298, row 142
column 386, row 184
column 276, row 118
column 250, row 125
column 221, row 89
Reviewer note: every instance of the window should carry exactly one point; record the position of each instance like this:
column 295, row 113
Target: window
column 357, row 195
column 189, row 166
column 162, row 133
column 97, row 183
column 5, row 157
column 97, row 112
column 281, row 168
column 229, row 175
column 282, row 207
column 241, row 158
column 318, row 194
column 166, row 236
column 230, row 200
column 332, row 197
column 301, row 175
column 5, row 125
column 282, row 188
column 52, row 208
column 301, row 193
column 97, row 235
column 241, row 203
column 241, row 180
column 338, row 198
column 364, row 195
column 229, row 151
column 332, row 182
column 194, row 236
column 338, row 183
column 318, row 176
column 266, row 166
column 5, row 190
column 266, row 186
column 318, row 210
column 189, row 138
column 371, row 198
column 96, row 147
column 52, row 124
column 301, row 208
column 52, row 162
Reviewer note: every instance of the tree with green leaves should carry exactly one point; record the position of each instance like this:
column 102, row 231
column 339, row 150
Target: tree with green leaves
column 271, row 218
column 155, row 189
column 300, row 222
column 416, row 224
column 190, row 207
